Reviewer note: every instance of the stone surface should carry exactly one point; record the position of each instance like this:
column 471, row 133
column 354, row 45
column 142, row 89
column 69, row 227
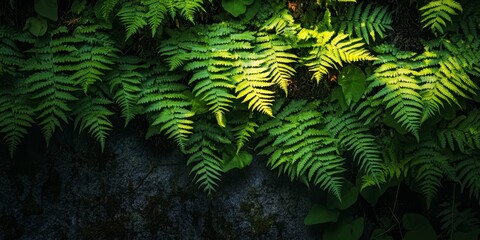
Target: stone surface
column 130, row 191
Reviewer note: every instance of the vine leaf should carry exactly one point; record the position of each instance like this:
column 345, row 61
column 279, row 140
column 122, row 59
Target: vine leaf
column 236, row 7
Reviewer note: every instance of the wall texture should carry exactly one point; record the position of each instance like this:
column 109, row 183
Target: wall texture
column 130, row 191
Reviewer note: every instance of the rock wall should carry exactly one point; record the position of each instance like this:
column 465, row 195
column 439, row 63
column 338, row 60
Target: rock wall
column 130, row 191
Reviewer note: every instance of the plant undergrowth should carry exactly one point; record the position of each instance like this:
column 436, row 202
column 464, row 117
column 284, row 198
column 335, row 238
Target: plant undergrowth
column 352, row 98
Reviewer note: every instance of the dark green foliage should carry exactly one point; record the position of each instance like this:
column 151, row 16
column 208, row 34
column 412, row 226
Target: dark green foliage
column 167, row 104
column 298, row 146
column 217, row 85
column 354, row 135
column 92, row 115
column 205, row 155
column 365, row 21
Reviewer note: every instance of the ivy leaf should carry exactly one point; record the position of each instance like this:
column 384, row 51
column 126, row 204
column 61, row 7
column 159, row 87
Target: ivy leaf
column 47, row 8
column 36, row 26
column 320, row 214
column 353, row 82
column 346, row 229
column 349, row 197
column 418, row 227
column 240, row 160
column 236, row 7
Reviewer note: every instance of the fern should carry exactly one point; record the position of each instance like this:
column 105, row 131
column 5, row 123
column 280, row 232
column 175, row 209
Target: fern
column 92, row 114
column 431, row 166
column 49, row 81
column 462, row 133
column 126, row 84
column 106, row 7
column 167, row 104
column 454, row 220
column 205, row 155
column 245, row 127
column 331, row 50
column 135, row 15
column 469, row 21
column 354, row 135
column 16, row 114
column 446, row 75
column 296, row 145
column 436, row 14
column 468, row 172
column 222, row 57
column 366, row 22
column 399, row 87
column 155, row 14
column 94, row 57
column 273, row 50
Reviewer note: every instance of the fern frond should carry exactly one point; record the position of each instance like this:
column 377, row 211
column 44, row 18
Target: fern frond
column 468, row 171
column 155, row 14
column 297, row 147
column 205, row 155
column 277, row 59
column 332, row 51
column 245, row 127
column 437, row 13
column 353, row 134
column 462, row 133
column 279, row 22
column 49, row 81
column 453, row 219
column 93, row 57
column 15, row 116
column 218, row 57
column 469, row 21
column 446, row 75
column 107, row 7
column 167, row 104
column 92, row 115
column 125, row 85
column 431, row 166
column 366, row 22
column 133, row 16
column 399, row 87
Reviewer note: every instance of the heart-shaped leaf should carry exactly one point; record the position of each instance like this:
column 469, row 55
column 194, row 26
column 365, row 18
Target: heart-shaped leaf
column 418, row 227
column 36, row 26
column 47, row 8
column 240, row 160
column 320, row 214
column 353, row 82
column 236, row 7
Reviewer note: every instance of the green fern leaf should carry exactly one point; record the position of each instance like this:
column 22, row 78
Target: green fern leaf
column 468, row 171
column 436, row 14
column 274, row 50
column 205, row 155
column 92, row 115
column 332, row 51
column 352, row 133
column 366, row 22
column 167, row 104
column 446, row 75
column 431, row 166
column 297, row 147
column 15, row 116
column 125, row 84
column 399, row 87
column 49, row 81
column 133, row 16
column 462, row 133
column 94, row 57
